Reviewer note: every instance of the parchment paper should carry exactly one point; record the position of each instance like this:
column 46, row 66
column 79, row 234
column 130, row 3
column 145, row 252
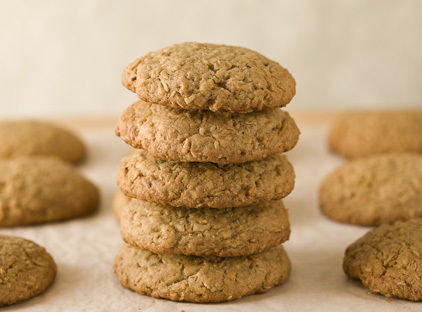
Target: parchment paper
column 84, row 249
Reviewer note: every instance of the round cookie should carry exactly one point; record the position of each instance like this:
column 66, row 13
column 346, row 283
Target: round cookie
column 26, row 269
column 203, row 136
column 200, row 279
column 118, row 203
column 37, row 189
column 196, row 185
column 374, row 190
column 25, row 138
column 388, row 260
column 204, row 76
column 203, row 232
column 367, row 133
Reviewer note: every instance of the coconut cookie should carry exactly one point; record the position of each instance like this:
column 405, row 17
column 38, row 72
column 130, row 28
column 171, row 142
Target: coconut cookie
column 374, row 190
column 198, row 185
column 26, row 269
column 200, row 279
column 367, row 133
column 203, row 136
column 23, row 138
column 388, row 260
column 43, row 189
column 202, row 232
column 118, row 203
column 204, row 76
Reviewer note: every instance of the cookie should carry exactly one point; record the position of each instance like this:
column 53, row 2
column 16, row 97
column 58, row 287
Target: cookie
column 388, row 260
column 35, row 189
column 200, row 279
column 118, row 203
column 26, row 269
column 25, row 138
column 368, row 133
column 374, row 190
column 204, row 76
column 203, row 232
column 196, row 185
column 221, row 137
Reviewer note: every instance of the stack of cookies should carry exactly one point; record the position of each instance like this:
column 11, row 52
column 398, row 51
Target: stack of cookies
column 204, row 220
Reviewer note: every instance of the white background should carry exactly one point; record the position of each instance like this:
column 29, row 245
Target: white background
column 66, row 57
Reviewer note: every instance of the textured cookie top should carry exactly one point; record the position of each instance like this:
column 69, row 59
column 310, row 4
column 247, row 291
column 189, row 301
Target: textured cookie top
column 23, row 138
column 203, row 76
column 374, row 190
column 388, row 260
column 200, row 279
column 198, row 185
column 42, row 189
column 368, row 133
column 26, row 269
column 207, row 231
column 221, row 137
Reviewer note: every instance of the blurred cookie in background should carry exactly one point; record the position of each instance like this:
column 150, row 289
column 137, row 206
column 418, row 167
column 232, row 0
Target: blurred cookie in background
column 362, row 134
column 374, row 190
column 26, row 137
column 36, row 189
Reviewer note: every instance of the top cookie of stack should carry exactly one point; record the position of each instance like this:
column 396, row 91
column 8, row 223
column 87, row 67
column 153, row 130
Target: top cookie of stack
column 203, row 76
column 208, row 103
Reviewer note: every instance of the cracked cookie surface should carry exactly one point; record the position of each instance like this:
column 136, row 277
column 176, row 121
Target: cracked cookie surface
column 367, row 133
column 204, row 76
column 26, row 269
column 388, row 260
column 374, row 190
column 200, row 279
column 202, row 232
column 35, row 189
column 196, row 185
column 25, row 138
column 204, row 136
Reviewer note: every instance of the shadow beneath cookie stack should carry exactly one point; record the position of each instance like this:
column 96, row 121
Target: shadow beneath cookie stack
column 200, row 207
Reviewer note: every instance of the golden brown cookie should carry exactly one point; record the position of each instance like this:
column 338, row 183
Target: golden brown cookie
column 388, row 260
column 195, row 185
column 221, row 137
column 200, row 279
column 374, row 190
column 26, row 269
column 203, row 232
column 204, row 76
column 25, row 138
column 36, row 189
column 367, row 133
